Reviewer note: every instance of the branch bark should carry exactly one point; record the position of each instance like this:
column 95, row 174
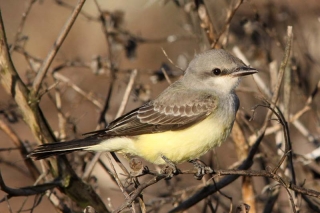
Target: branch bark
column 28, row 103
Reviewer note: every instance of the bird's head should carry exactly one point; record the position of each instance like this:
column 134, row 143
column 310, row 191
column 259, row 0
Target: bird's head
column 217, row 70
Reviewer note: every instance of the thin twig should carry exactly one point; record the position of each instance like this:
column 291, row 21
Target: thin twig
column 242, row 150
column 61, row 118
column 116, row 177
column 90, row 166
column 104, row 27
column 69, row 6
column 120, row 164
column 102, row 120
column 55, row 48
column 284, row 62
column 21, row 25
column 169, row 59
column 227, row 22
column 138, row 191
column 76, row 88
column 8, row 204
column 166, row 75
column 127, row 93
column 21, row 146
column 260, row 82
column 34, row 118
column 281, row 71
column 15, row 166
column 121, row 187
column 206, row 22
column 26, row 191
column 262, row 173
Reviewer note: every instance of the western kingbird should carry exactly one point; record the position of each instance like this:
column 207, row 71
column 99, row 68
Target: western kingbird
column 190, row 117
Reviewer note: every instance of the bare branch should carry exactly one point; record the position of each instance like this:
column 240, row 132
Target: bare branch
column 23, row 150
column 55, row 48
column 35, row 119
column 26, row 191
column 21, row 25
column 230, row 15
column 127, row 93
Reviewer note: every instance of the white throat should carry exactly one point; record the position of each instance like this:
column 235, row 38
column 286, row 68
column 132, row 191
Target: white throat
column 226, row 84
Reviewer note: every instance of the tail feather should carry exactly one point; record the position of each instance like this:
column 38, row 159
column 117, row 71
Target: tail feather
column 61, row 148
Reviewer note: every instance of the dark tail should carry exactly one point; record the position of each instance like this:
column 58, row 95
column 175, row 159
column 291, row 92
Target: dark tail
column 61, row 148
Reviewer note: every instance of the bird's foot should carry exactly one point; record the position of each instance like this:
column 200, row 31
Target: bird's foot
column 202, row 169
column 170, row 169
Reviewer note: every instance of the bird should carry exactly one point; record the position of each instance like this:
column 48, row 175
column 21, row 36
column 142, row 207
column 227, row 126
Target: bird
column 190, row 117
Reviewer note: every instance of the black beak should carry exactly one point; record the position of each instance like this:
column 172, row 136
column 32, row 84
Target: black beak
column 242, row 71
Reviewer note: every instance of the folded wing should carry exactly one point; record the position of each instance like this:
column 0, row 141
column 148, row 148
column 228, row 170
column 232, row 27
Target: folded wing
column 175, row 109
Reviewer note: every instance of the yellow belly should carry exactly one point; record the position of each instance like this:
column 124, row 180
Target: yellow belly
column 183, row 145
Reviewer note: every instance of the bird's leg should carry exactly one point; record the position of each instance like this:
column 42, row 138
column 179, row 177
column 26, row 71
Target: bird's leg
column 170, row 169
column 202, row 169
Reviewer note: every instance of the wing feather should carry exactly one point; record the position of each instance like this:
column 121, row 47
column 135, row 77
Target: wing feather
column 175, row 109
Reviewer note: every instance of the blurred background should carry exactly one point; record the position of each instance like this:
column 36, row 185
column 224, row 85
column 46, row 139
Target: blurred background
column 157, row 38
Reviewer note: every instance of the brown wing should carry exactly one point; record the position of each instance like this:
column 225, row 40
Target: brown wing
column 175, row 109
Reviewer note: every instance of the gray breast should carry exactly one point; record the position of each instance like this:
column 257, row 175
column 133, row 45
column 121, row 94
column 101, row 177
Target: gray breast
column 228, row 107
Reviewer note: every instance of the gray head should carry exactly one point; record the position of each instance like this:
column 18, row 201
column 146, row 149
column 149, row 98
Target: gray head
column 217, row 70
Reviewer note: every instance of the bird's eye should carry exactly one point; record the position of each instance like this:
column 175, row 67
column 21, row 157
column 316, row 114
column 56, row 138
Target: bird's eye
column 216, row 71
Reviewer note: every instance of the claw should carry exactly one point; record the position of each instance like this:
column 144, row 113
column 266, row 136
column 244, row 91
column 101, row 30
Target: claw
column 201, row 169
column 170, row 169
